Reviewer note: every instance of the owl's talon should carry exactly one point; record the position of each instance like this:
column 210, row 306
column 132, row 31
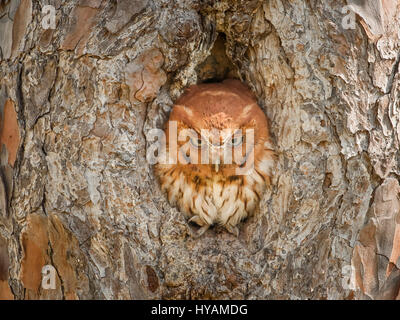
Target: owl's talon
column 201, row 223
column 234, row 230
column 201, row 231
column 197, row 220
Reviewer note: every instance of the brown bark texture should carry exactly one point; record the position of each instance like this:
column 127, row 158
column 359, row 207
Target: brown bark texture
column 77, row 103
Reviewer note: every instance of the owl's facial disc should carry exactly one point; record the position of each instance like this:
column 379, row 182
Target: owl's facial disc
column 222, row 138
column 219, row 147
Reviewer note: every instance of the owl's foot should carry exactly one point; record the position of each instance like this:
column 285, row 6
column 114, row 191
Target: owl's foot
column 200, row 232
column 200, row 222
column 233, row 229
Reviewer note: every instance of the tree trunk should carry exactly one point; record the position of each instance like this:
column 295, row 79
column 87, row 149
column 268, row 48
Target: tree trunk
column 77, row 103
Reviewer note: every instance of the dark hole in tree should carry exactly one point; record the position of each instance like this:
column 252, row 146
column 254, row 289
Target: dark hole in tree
column 217, row 65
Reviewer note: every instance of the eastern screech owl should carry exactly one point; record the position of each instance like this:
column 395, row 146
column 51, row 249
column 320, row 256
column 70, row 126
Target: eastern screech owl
column 220, row 160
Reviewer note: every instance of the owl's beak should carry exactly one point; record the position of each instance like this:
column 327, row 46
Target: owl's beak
column 217, row 165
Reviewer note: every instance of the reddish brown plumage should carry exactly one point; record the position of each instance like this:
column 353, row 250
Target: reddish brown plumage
column 207, row 193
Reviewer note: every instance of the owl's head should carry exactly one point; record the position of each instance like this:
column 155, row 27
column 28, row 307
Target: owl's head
column 218, row 129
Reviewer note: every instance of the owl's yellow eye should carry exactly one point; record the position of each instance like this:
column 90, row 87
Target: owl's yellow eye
column 196, row 142
column 236, row 141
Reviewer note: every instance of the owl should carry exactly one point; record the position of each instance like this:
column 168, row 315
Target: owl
column 218, row 155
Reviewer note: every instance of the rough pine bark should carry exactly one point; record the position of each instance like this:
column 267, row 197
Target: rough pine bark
column 77, row 103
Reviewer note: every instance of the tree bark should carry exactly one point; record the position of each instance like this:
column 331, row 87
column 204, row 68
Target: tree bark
column 77, row 103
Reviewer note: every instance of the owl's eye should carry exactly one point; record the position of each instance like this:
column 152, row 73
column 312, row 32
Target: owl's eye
column 196, row 142
column 236, row 141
